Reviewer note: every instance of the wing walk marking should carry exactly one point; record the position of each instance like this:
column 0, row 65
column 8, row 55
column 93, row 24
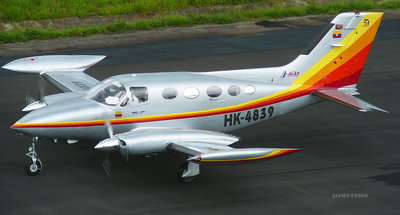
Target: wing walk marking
column 304, row 85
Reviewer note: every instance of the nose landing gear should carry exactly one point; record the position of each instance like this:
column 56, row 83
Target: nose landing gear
column 33, row 166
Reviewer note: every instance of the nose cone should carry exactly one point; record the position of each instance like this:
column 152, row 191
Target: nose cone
column 52, row 120
column 108, row 145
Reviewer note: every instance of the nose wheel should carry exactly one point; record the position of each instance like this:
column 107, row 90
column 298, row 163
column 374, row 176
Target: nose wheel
column 33, row 166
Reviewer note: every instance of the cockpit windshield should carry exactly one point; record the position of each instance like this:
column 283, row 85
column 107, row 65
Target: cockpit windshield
column 108, row 92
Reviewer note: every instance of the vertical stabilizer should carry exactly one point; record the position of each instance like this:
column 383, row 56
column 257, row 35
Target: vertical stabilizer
column 339, row 57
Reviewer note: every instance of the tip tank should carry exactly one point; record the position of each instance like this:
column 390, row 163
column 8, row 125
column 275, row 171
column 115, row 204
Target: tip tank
column 238, row 155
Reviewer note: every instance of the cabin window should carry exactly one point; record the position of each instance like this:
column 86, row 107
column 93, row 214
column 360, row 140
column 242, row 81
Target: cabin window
column 214, row 91
column 250, row 89
column 234, row 90
column 139, row 94
column 169, row 93
column 191, row 93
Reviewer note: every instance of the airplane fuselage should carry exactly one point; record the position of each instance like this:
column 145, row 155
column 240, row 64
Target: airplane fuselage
column 177, row 100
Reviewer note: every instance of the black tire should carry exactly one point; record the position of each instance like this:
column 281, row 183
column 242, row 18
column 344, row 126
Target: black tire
column 181, row 170
column 31, row 169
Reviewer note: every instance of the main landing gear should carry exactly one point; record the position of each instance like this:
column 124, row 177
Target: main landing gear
column 188, row 172
column 33, row 166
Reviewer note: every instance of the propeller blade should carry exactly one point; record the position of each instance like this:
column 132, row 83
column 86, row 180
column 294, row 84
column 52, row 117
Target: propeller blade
column 108, row 145
column 29, row 99
column 30, row 102
column 42, row 88
column 109, row 128
column 107, row 165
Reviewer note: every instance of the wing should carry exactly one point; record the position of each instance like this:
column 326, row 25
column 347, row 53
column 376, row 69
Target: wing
column 199, row 145
column 63, row 71
column 70, row 81
column 206, row 150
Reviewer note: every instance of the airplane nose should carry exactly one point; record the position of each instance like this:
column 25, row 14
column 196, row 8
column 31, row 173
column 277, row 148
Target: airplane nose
column 26, row 121
column 52, row 121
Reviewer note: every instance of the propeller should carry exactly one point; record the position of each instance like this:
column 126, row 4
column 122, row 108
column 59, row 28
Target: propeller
column 42, row 88
column 109, row 128
column 29, row 99
column 31, row 103
column 108, row 145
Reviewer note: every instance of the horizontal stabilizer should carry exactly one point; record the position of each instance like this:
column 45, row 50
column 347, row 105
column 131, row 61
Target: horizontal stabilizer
column 238, row 155
column 347, row 100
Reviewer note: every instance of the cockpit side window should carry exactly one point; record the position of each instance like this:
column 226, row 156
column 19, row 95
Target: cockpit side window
column 139, row 94
column 109, row 94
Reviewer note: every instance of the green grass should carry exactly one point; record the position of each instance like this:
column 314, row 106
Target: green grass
column 21, row 10
column 194, row 19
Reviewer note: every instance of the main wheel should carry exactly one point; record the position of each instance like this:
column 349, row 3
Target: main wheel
column 33, row 169
column 180, row 172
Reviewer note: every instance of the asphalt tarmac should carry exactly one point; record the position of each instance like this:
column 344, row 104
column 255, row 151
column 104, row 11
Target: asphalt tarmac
column 350, row 163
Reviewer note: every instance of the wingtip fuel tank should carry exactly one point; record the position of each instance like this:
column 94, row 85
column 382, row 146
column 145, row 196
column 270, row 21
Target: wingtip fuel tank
column 237, row 155
column 38, row 64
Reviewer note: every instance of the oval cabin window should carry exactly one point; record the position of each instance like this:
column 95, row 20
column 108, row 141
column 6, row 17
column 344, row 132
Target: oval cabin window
column 169, row 93
column 249, row 89
column 234, row 90
column 214, row 91
column 191, row 93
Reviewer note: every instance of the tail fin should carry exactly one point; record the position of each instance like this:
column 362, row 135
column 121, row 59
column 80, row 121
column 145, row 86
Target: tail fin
column 338, row 59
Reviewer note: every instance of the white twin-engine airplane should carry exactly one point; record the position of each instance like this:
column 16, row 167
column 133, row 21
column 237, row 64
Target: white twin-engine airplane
column 192, row 112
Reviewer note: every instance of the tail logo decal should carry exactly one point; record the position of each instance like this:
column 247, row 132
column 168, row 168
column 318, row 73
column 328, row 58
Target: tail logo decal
column 283, row 74
column 290, row 74
column 366, row 23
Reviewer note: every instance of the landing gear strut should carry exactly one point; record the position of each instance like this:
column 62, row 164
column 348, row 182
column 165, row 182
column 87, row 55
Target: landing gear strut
column 33, row 166
column 188, row 172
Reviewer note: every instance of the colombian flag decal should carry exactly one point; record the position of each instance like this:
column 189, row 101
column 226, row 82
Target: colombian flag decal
column 337, row 34
column 118, row 114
